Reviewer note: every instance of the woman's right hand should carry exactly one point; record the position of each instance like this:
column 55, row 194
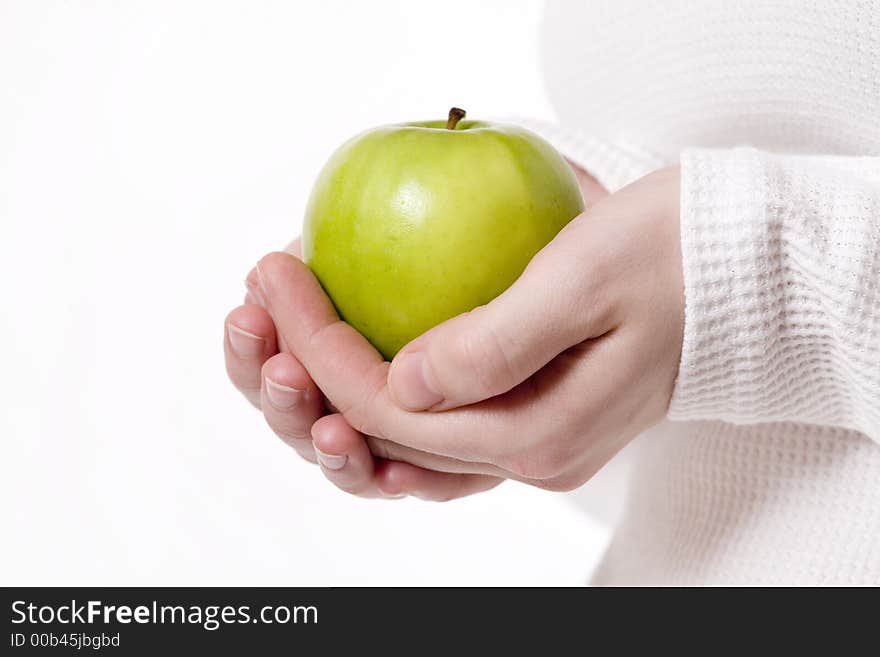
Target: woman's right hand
column 274, row 381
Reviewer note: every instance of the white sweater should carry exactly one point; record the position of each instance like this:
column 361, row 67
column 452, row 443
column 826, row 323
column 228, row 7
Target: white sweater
column 768, row 468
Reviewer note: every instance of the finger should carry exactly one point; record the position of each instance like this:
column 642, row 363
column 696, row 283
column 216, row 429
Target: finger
column 391, row 451
column 344, row 457
column 442, row 465
column 397, row 478
column 348, row 463
column 353, row 376
column 254, row 294
column 291, row 402
column 553, row 306
column 306, row 320
column 249, row 339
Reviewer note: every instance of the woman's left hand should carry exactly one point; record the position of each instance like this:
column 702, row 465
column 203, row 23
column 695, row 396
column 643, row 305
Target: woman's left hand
column 544, row 384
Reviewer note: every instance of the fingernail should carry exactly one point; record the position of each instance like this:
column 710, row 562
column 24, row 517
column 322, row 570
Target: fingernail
column 244, row 344
column 410, row 385
column 331, row 461
column 282, row 396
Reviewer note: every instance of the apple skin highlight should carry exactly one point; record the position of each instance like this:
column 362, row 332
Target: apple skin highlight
column 409, row 225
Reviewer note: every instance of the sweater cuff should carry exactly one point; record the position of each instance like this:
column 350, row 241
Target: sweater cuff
column 613, row 164
column 732, row 281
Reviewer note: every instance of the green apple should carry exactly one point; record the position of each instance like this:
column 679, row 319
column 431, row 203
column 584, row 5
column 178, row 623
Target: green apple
column 411, row 224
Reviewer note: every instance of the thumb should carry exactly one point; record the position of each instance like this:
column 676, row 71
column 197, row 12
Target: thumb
column 491, row 349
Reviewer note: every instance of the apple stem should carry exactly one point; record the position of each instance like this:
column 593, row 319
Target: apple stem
column 455, row 115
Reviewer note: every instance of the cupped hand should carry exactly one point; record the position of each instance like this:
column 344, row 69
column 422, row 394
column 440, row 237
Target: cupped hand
column 544, row 384
column 272, row 379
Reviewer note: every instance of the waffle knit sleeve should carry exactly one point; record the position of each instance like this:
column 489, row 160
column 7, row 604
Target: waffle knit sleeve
column 781, row 258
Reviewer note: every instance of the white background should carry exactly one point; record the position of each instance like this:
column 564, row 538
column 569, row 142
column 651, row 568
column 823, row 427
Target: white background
column 150, row 153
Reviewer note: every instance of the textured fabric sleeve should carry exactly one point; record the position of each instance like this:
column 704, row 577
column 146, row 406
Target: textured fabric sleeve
column 781, row 258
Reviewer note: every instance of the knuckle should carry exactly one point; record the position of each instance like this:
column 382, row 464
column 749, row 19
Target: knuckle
column 501, row 374
column 360, row 416
column 287, row 425
column 484, row 354
column 365, row 414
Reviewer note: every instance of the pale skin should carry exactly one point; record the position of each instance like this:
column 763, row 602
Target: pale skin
column 543, row 385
